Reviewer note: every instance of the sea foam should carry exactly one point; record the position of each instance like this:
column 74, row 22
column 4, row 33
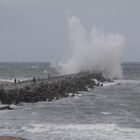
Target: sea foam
column 93, row 51
column 83, row 131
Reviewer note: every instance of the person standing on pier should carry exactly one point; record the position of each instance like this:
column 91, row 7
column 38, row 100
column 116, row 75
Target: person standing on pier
column 15, row 80
column 34, row 80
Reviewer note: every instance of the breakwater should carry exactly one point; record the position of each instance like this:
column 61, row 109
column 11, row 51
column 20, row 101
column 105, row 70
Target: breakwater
column 50, row 88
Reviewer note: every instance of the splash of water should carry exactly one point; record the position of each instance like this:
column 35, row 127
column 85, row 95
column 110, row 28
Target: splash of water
column 93, row 51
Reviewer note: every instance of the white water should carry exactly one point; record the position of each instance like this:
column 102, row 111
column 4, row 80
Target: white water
column 35, row 131
column 84, row 132
column 121, row 83
column 94, row 50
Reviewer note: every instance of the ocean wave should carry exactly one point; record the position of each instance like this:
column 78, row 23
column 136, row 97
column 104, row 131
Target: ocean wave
column 127, row 82
column 84, row 131
column 121, row 83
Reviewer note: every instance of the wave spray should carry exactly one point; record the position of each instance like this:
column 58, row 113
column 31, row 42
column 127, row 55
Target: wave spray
column 93, row 51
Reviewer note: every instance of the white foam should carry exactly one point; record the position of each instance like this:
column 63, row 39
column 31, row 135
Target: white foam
column 120, row 82
column 39, row 128
column 105, row 113
column 127, row 82
column 106, row 84
column 86, row 131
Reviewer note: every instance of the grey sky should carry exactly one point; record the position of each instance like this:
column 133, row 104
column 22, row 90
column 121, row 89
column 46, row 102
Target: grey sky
column 36, row 30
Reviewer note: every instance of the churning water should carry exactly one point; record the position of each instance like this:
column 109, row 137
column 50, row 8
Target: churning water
column 110, row 112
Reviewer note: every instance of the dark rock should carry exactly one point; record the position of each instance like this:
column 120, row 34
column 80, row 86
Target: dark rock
column 6, row 108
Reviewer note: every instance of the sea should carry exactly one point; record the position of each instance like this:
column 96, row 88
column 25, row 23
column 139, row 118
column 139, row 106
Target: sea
column 111, row 112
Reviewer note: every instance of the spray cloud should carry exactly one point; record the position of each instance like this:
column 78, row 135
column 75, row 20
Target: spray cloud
column 93, row 51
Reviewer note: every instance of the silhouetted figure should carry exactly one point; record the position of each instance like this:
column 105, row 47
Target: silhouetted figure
column 101, row 85
column 98, row 84
column 15, row 80
column 33, row 79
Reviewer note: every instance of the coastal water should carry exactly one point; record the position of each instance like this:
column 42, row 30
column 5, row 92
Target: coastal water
column 24, row 71
column 105, row 113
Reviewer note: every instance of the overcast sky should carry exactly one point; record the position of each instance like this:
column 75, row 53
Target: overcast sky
column 36, row 30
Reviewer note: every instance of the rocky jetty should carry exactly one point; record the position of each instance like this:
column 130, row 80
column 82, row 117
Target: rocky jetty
column 50, row 89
